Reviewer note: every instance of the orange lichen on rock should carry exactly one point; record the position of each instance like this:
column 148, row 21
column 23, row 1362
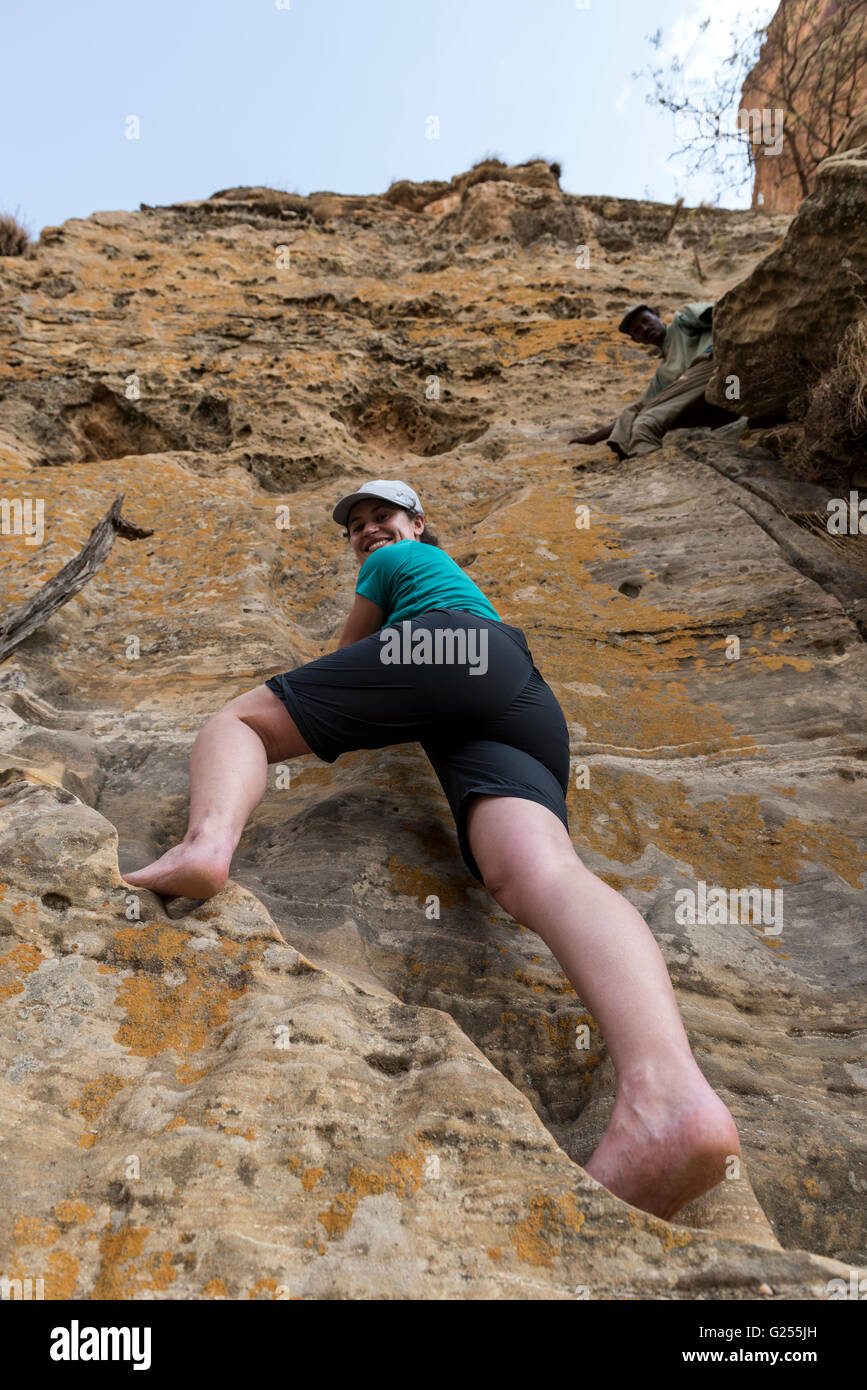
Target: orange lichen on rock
column 70, row 1212
column 717, row 836
column 414, row 882
column 404, row 1178
column 215, row 1288
column 57, row 1269
column 551, row 1219
column 96, row 1095
column 125, row 1270
column 30, row 1230
column 160, row 1015
column 61, row 1274
column 668, row 1236
column 265, row 1285
column 22, row 960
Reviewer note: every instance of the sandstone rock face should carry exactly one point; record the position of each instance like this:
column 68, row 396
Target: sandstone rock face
column 856, row 134
column 351, row 1074
column 419, row 196
column 779, row 328
column 501, row 209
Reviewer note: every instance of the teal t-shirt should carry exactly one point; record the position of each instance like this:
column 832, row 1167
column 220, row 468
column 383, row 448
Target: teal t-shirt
column 407, row 577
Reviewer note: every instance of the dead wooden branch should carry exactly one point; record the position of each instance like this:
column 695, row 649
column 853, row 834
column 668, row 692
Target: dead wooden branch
column 37, row 610
column 666, row 236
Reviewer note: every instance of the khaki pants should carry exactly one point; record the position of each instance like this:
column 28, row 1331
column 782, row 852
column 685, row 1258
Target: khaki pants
column 639, row 428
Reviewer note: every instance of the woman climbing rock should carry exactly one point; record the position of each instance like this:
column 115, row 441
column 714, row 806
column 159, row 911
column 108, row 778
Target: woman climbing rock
column 425, row 658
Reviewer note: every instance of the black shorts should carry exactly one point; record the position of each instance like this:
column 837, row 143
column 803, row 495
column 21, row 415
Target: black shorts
column 497, row 731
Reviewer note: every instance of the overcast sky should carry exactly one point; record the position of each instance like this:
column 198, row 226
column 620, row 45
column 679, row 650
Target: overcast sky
column 335, row 94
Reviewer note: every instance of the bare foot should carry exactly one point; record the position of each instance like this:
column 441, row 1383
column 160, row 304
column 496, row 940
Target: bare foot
column 665, row 1149
column 192, row 869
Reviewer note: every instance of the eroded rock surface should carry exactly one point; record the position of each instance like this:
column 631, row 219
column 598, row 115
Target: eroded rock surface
column 312, row 1086
column 780, row 328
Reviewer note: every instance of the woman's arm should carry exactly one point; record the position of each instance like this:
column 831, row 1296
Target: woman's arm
column 365, row 619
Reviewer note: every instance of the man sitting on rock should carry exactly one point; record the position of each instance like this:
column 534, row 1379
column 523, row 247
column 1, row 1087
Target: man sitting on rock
column 675, row 395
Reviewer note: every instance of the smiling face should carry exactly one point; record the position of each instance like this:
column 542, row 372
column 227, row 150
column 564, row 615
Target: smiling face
column 646, row 327
column 372, row 523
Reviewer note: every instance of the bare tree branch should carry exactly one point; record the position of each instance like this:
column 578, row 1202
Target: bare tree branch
column 66, row 583
column 810, row 62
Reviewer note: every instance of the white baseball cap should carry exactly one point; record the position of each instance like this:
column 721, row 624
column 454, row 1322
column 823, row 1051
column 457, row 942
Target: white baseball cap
column 388, row 489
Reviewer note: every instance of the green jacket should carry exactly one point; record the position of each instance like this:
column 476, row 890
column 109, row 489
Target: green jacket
column 689, row 337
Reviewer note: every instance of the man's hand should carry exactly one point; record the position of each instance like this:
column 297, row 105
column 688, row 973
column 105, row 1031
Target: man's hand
column 595, row 437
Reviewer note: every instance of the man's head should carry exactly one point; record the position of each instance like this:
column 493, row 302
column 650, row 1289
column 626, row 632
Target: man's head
column 643, row 325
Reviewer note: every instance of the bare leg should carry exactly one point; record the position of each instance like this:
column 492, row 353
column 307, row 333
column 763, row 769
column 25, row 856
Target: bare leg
column 670, row 1133
column 228, row 776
